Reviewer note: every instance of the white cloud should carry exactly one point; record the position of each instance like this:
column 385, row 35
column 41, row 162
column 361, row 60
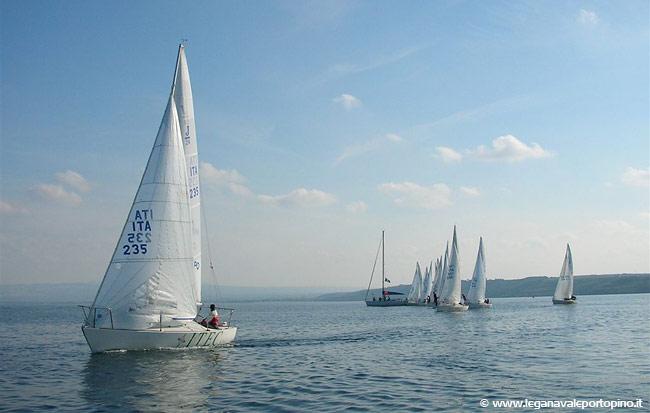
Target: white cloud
column 300, row 197
column 588, row 17
column 348, row 68
column 509, row 149
column 409, row 193
column 349, row 102
column 365, row 147
column 7, row 208
column 356, row 207
column 447, row 155
column 636, row 177
column 232, row 179
column 212, row 175
column 73, row 179
column 470, row 191
column 614, row 225
column 394, row 137
column 56, row 194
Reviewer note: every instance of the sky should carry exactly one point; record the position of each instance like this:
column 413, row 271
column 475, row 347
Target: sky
column 322, row 123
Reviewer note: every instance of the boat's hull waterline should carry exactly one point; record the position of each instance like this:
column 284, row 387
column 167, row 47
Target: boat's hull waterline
column 387, row 303
column 479, row 305
column 453, row 308
column 565, row 301
column 188, row 336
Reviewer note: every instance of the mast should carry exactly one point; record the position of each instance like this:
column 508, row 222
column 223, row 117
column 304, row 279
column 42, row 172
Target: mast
column 383, row 265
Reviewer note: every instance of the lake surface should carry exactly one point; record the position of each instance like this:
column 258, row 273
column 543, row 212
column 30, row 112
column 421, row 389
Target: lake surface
column 316, row 356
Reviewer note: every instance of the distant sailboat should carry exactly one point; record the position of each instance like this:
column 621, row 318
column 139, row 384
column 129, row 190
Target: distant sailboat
column 564, row 289
column 450, row 296
column 385, row 300
column 436, row 281
column 150, row 295
column 427, row 286
column 415, row 293
column 476, row 293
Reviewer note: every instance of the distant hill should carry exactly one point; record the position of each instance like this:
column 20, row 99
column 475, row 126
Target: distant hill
column 530, row 286
column 84, row 293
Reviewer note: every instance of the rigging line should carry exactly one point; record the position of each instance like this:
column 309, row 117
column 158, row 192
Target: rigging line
column 373, row 269
column 215, row 284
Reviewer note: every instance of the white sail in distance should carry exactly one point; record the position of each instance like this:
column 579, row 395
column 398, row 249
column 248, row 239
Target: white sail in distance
column 149, row 278
column 182, row 90
column 445, row 268
column 427, row 284
column 451, row 293
column 416, row 286
column 436, row 277
column 564, row 288
column 476, row 293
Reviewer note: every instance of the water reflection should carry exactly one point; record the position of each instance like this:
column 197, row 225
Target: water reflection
column 153, row 380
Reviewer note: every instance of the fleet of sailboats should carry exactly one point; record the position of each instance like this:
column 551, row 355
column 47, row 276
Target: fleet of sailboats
column 450, row 295
column 150, row 296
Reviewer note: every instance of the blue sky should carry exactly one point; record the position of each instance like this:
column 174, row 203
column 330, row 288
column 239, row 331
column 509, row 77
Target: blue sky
column 320, row 123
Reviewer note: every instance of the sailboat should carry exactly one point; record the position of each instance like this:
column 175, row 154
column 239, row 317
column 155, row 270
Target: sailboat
column 476, row 293
column 427, row 287
column 385, row 300
column 564, row 289
column 449, row 300
column 415, row 293
column 150, row 295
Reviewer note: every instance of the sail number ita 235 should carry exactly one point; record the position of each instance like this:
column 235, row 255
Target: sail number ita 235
column 138, row 240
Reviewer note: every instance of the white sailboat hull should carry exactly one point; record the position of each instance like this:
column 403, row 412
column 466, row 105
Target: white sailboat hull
column 479, row 305
column 565, row 301
column 188, row 336
column 451, row 308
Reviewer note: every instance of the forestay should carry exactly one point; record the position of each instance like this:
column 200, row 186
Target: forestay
column 564, row 289
column 149, row 278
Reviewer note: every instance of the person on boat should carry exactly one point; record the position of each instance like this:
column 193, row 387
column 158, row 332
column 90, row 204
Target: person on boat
column 487, row 301
column 573, row 297
column 428, row 299
column 213, row 318
column 435, row 299
column 464, row 298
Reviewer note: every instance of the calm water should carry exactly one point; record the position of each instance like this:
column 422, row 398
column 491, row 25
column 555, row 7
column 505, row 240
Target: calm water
column 333, row 356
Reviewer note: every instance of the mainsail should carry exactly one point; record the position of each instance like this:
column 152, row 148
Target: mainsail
column 564, row 289
column 476, row 293
column 182, row 91
column 149, row 279
column 450, row 294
